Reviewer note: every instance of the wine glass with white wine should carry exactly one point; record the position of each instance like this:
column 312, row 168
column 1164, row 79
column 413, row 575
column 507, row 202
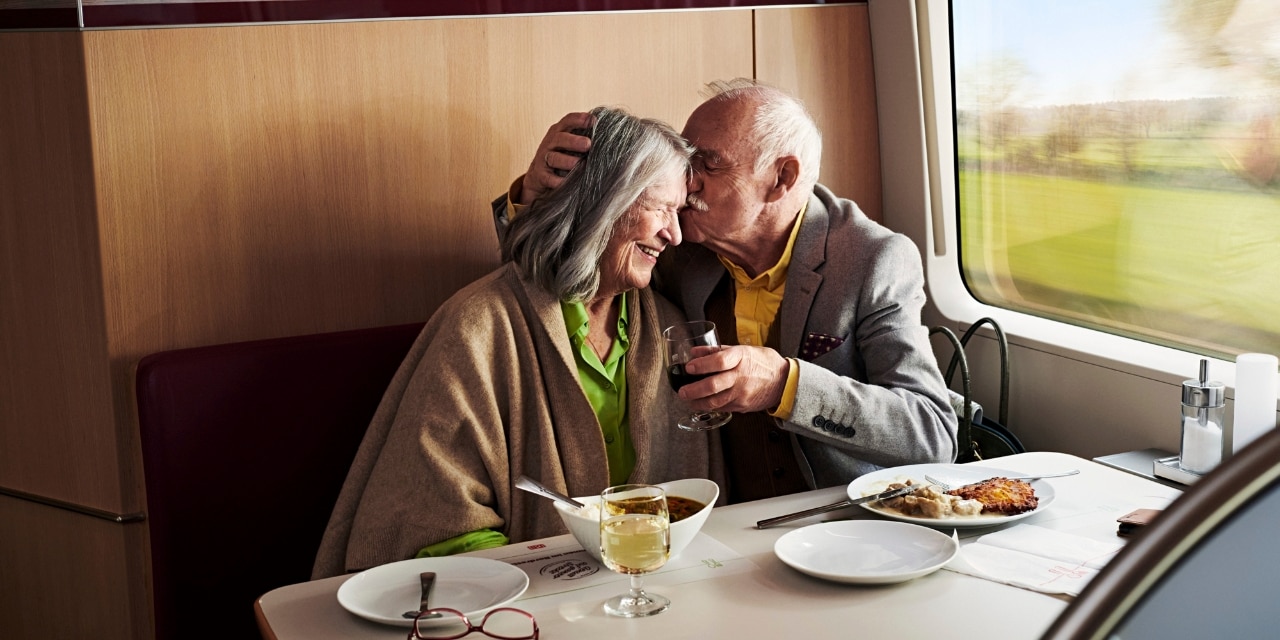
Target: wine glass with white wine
column 684, row 342
column 635, row 539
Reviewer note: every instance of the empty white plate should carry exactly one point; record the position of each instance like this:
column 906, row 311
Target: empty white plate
column 470, row 585
column 866, row 551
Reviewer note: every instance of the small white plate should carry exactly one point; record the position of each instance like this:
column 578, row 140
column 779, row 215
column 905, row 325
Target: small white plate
column 866, row 551
column 954, row 475
column 470, row 585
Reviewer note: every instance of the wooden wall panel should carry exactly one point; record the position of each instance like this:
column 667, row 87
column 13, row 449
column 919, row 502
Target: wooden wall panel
column 57, row 433
column 287, row 179
column 823, row 55
column 277, row 180
column 58, row 438
column 66, row 575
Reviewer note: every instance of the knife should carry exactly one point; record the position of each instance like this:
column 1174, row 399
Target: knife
column 883, row 495
column 427, row 578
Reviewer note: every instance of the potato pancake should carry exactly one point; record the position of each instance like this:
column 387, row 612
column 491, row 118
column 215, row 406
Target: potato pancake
column 1000, row 495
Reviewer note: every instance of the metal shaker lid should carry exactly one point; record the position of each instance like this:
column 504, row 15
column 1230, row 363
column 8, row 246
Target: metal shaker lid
column 1203, row 392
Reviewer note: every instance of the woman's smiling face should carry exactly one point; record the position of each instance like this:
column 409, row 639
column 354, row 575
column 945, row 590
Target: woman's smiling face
column 649, row 226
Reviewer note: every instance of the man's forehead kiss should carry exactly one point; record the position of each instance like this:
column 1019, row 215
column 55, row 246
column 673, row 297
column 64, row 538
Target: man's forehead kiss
column 707, row 154
column 650, row 200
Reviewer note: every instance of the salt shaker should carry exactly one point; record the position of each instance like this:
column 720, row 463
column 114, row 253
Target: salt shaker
column 1203, row 407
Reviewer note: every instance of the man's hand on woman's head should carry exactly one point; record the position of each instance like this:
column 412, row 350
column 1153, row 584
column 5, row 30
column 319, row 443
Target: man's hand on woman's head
column 742, row 379
column 559, row 151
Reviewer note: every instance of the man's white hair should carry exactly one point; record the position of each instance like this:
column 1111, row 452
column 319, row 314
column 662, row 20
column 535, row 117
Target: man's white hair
column 782, row 125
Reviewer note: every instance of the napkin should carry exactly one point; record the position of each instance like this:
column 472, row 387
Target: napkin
column 1035, row 558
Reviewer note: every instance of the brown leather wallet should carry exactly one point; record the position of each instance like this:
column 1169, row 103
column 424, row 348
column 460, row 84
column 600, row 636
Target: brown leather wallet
column 1134, row 520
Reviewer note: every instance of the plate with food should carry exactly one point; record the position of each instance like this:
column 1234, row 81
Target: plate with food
column 979, row 496
column 866, row 551
column 470, row 585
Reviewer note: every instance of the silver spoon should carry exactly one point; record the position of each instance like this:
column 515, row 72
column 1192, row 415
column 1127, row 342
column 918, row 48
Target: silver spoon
column 427, row 580
column 533, row 486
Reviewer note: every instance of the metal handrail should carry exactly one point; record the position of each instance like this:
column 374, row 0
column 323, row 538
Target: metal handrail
column 77, row 508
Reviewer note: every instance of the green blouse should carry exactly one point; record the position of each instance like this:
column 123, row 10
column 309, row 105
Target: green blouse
column 605, row 384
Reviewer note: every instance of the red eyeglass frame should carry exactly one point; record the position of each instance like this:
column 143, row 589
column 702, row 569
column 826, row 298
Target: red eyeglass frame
column 471, row 628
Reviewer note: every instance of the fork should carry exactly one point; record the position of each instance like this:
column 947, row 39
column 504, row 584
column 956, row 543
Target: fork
column 948, row 487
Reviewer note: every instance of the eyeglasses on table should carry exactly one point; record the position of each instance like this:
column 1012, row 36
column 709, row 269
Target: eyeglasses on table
column 503, row 623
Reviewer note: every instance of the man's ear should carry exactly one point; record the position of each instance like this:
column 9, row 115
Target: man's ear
column 786, row 174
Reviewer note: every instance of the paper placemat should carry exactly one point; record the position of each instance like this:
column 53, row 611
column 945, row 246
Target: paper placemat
column 560, row 571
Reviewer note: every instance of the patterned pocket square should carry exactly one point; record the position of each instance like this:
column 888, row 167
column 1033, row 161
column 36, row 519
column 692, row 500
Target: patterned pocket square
column 816, row 344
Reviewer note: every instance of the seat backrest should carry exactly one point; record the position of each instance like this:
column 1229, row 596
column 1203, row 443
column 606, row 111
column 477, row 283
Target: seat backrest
column 245, row 448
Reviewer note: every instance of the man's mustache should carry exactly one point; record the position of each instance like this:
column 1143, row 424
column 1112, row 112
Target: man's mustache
column 695, row 203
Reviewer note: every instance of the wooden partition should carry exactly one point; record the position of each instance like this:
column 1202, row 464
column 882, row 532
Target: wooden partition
column 59, row 438
column 167, row 188
column 824, row 56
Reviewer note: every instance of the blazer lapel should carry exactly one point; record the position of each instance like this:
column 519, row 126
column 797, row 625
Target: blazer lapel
column 803, row 278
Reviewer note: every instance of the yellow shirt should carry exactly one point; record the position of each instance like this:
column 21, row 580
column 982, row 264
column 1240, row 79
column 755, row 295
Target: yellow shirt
column 756, row 309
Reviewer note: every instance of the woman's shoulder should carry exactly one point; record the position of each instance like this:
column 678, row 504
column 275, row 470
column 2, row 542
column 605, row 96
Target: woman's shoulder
column 486, row 294
column 479, row 308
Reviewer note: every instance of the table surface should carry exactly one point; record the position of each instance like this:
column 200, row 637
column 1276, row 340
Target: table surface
column 774, row 600
column 1140, row 463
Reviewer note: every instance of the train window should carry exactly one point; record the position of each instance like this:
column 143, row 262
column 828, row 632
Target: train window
column 1118, row 165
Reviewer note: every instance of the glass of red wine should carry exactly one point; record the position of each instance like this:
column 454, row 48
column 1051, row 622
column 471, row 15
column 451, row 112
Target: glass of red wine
column 684, row 342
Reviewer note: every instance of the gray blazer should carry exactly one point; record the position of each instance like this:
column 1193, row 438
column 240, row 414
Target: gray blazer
column 870, row 393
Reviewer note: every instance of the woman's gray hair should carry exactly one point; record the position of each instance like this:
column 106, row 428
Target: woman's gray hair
column 558, row 241
column 782, row 127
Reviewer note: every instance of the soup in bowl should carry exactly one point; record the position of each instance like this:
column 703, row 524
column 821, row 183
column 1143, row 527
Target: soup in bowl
column 689, row 503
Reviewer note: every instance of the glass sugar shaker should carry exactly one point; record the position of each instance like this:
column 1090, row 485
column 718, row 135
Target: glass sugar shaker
column 1203, row 407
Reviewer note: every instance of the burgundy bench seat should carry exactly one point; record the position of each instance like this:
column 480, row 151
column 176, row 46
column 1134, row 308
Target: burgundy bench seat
column 245, row 447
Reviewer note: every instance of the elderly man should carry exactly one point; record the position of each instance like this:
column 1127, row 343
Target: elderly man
column 832, row 374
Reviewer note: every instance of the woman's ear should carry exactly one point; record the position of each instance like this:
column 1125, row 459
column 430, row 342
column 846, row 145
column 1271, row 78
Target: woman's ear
column 787, row 173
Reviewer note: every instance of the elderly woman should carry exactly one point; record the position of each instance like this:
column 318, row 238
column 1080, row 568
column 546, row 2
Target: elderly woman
column 550, row 367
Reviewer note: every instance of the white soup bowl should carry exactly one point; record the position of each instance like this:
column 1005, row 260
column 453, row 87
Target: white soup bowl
column 586, row 527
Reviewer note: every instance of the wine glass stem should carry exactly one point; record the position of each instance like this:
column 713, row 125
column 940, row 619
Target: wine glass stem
column 637, row 591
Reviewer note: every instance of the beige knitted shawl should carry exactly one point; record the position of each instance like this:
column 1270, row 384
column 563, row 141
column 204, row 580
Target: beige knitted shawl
column 490, row 391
